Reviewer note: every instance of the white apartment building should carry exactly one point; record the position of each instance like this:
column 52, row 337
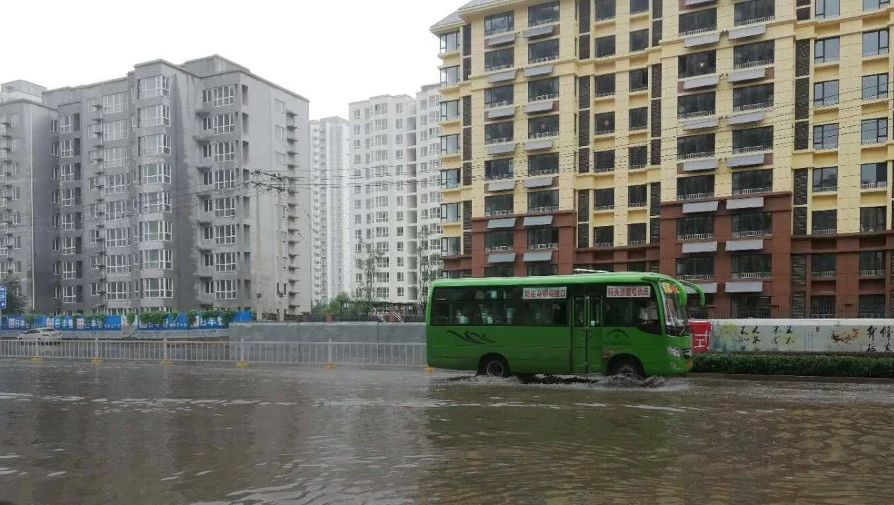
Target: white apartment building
column 330, row 174
column 394, row 195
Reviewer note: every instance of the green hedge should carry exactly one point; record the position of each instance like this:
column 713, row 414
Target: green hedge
column 783, row 364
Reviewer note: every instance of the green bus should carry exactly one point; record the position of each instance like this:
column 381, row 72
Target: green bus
column 629, row 323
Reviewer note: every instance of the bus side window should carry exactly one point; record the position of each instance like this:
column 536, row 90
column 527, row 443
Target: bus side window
column 595, row 311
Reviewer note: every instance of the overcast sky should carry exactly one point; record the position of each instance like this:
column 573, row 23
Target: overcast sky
column 331, row 51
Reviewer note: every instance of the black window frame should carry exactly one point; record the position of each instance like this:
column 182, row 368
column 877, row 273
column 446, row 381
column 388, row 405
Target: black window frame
column 551, row 8
column 821, row 47
column 828, row 222
column 825, row 93
column 873, row 219
column 602, row 84
column 824, row 179
column 879, row 39
column 826, row 133
column 489, row 20
column 533, row 89
column 550, row 46
column 741, row 94
column 638, row 79
column 696, row 64
column 700, row 21
column 874, row 131
column 605, row 46
column 495, row 90
column 869, row 175
column 875, row 86
column 764, row 54
column 503, row 64
column 491, row 201
column 639, row 40
column 696, row 187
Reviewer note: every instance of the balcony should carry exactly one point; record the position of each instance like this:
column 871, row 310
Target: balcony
column 824, row 274
column 872, row 272
column 747, row 74
column 824, row 231
column 700, row 81
column 750, row 28
column 694, row 196
column 700, row 247
column 695, row 237
column 499, row 146
column 699, row 120
column 751, row 233
column 744, row 245
column 706, row 37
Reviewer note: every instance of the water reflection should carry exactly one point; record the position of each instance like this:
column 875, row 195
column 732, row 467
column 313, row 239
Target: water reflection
column 72, row 433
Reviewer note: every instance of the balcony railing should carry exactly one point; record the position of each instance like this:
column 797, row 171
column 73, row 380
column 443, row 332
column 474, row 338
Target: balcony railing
column 825, row 189
column 694, row 196
column 824, row 274
column 496, row 68
column 549, row 245
column 499, row 248
column 497, row 212
column 690, row 156
column 543, row 59
column 605, row 131
column 501, row 140
column 754, row 21
column 874, row 185
column 751, row 233
column 872, row 272
column 872, row 314
column 752, row 64
column 750, row 275
column 697, row 277
column 499, row 176
column 825, row 231
column 696, row 236
column 494, row 105
column 752, row 106
column 603, row 245
column 642, row 203
column 540, row 22
column 543, row 135
column 751, row 149
column 636, row 242
column 604, row 207
column 696, row 113
column 751, row 191
column 542, row 98
column 543, row 208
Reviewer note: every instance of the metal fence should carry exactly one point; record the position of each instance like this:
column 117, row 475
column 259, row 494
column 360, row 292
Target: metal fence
column 274, row 353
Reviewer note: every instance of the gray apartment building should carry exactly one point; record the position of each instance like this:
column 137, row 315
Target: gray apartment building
column 175, row 187
column 26, row 171
column 332, row 252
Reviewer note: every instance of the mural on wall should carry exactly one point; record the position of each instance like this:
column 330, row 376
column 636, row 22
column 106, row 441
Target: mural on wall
column 828, row 335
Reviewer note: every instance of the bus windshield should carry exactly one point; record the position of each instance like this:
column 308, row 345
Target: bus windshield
column 677, row 318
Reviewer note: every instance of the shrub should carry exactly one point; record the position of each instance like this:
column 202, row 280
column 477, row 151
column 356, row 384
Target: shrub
column 795, row 364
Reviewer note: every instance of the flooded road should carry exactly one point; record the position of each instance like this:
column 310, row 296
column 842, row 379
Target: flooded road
column 132, row 434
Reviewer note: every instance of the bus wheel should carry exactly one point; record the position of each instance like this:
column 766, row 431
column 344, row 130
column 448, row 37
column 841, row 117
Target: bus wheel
column 627, row 367
column 494, row 366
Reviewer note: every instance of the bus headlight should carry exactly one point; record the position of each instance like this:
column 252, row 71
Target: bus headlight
column 675, row 352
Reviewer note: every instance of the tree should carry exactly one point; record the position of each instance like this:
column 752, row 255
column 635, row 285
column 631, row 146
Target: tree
column 15, row 301
column 369, row 270
column 427, row 267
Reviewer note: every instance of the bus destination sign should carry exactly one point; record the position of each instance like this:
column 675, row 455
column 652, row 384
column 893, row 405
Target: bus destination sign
column 628, row 292
column 545, row 293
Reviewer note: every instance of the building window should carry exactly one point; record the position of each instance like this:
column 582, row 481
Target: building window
column 695, row 228
column 871, row 306
column 157, row 144
column 113, row 103
column 603, row 237
column 754, row 11
column 498, row 205
column 751, row 266
column 543, row 164
column 826, row 50
column 638, row 157
column 752, row 140
column 605, row 123
column 752, row 224
column 695, row 268
column 874, row 131
column 499, row 96
column 543, row 201
column 226, row 123
column 825, row 93
column 825, row 222
column 543, row 238
column 695, row 188
column 875, row 87
column 501, row 240
column 871, row 5
column 639, row 40
column 638, row 79
column 499, row 23
column 450, row 76
column 545, row 126
column 636, row 234
column 823, row 265
column 605, row 46
column 158, row 288
column 499, row 60
column 698, row 22
column 875, row 43
column 695, row 146
column 155, row 230
column 156, row 115
column 639, row 118
column 543, row 89
column 874, row 175
column 153, row 86
column 695, row 105
column 637, row 196
column 754, row 55
column 220, row 96
column 825, row 179
column 157, row 259
column 542, row 269
column 637, row 6
column 827, row 9
column 872, row 264
column 498, row 271
column 604, row 161
column 605, row 85
column 753, row 97
column 450, row 42
column 872, row 219
column 604, row 199
column 605, row 9
column 691, row 65
column 450, row 110
column 497, row 133
column 752, row 181
column 498, row 169
column 449, row 145
column 825, row 136
column 543, row 14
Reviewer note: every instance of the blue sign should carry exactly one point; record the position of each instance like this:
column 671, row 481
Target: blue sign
column 2, row 297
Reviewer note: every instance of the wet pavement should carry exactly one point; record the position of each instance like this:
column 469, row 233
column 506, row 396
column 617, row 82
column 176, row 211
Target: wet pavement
column 131, row 434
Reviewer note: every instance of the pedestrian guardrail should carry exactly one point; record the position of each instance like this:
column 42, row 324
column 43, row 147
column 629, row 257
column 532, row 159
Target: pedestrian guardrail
column 238, row 352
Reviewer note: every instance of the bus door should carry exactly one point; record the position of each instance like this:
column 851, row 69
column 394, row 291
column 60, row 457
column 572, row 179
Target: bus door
column 586, row 335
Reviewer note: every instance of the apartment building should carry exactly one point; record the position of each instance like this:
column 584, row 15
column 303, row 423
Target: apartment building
column 395, row 195
column 26, row 168
column 329, row 181
column 174, row 188
column 742, row 145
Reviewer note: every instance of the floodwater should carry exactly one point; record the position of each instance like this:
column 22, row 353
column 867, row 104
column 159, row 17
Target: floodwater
column 73, row 433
